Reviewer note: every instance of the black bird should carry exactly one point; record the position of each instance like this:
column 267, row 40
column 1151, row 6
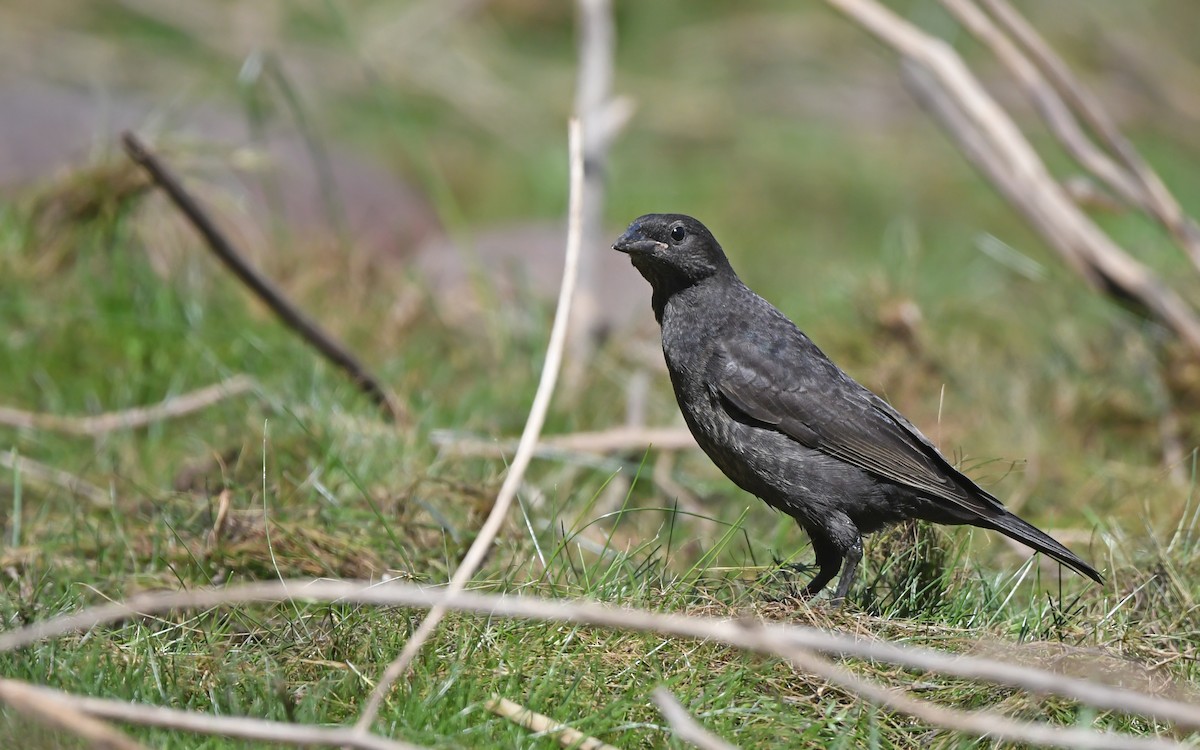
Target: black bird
column 785, row 423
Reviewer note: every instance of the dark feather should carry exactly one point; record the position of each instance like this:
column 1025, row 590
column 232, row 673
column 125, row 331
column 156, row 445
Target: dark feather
column 840, row 418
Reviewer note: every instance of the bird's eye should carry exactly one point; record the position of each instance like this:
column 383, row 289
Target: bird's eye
column 678, row 233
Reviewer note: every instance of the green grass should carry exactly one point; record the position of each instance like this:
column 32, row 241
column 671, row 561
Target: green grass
column 314, row 493
column 1047, row 394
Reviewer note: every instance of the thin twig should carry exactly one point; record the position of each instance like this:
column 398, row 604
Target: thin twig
column 55, row 709
column 36, row 472
column 565, row 735
column 525, row 449
column 1161, row 202
column 994, row 143
column 775, row 638
column 597, row 46
column 615, row 440
column 1054, row 111
column 685, row 727
column 128, row 419
column 583, row 447
column 218, row 527
column 601, row 117
column 274, row 298
column 976, row 722
column 239, row 727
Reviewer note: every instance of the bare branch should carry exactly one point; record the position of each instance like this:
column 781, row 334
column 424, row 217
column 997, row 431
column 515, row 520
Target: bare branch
column 1055, row 112
column 176, row 406
column 291, row 315
column 614, row 440
column 195, row 722
column 55, row 709
column 976, row 722
column 1161, row 203
column 601, row 117
column 685, row 727
column 773, row 638
column 996, row 145
column 39, row 473
column 565, row 735
column 525, row 449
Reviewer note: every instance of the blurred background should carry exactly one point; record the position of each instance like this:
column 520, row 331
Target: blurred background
column 400, row 168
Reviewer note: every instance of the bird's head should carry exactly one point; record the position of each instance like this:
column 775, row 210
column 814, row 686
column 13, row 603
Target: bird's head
column 672, row 251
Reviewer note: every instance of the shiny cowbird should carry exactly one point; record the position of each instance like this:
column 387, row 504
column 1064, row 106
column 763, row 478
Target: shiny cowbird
column 785, row 423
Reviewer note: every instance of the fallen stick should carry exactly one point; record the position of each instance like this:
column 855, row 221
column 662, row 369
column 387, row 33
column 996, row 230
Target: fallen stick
column 615, row 440
column 535, row 722
column 773, row 638
column 55, row 709
column 979, row 722
column 685, row 727
column 39, row 473
column 141, row 416
column 291, row 315
column 240, row 727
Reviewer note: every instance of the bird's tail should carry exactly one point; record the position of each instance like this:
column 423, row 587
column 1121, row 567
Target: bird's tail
column 1027, row 534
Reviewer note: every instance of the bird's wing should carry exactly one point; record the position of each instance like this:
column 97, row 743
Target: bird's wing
column 795, row 389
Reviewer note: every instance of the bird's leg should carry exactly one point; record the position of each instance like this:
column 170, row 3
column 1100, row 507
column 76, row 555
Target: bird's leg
column 849, row 569
column 829, row 559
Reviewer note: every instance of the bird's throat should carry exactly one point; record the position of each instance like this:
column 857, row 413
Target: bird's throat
column 665, row 285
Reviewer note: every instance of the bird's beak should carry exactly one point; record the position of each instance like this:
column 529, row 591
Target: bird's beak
column 634, row 242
